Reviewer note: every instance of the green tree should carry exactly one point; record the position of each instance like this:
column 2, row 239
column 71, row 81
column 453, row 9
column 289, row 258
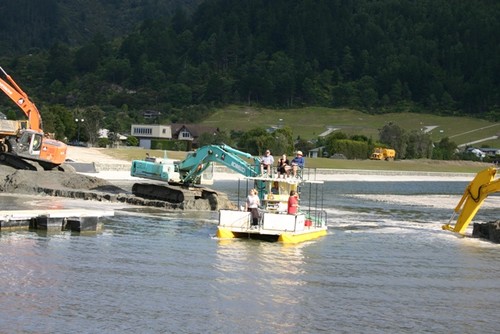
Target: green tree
column 218, row 88
column 351, row 149
column 205, row 139
column 132, row 141
column 419, row 145
column 60, row 65
column 222, row 137
column 87, row 58
column 282, row 71
column 93, row 117
column 179, row 94
column 356, row 147
column 57, row 119
column 394, row 137
column 368, row 93
column 116, row 70
column 281, row 141
column 219, row 138
column 254, row 141
column 444, row 150
column 318, row 90
column 256, row 83
column 335, row 136
column 303, row 145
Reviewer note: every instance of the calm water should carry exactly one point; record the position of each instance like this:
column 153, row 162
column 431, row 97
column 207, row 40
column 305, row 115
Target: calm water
column 385, row 267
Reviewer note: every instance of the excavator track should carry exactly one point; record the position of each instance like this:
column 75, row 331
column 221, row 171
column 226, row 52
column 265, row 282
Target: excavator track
column 19, row 163
column 187, row 196
column 172, row 194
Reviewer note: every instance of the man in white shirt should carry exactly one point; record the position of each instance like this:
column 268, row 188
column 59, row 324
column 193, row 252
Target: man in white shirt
column 266, row 162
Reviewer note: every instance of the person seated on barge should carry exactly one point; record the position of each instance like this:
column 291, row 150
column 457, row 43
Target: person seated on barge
column 266, row 162
column 284, row 166
column 297, row 163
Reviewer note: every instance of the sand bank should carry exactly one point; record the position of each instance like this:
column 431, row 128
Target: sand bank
column 109, row 168
column 331, row 175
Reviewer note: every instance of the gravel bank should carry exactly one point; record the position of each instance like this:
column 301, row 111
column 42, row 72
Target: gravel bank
column 98, row 186
column 112, row 169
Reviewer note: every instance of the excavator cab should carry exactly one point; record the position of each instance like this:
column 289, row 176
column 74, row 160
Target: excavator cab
column 29, row 144
column 35, row 146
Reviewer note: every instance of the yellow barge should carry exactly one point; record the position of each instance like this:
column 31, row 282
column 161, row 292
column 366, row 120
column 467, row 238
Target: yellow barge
column 275, row 224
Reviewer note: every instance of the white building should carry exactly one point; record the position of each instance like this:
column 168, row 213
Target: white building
column 187, row 132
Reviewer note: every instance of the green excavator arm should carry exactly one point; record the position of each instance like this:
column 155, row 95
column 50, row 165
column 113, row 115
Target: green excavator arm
column 196, row 162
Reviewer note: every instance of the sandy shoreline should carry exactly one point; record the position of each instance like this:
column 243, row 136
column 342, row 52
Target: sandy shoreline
column 333, row 175
column 109, row 168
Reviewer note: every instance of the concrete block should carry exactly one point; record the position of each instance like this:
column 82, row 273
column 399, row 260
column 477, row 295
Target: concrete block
column 83, row 224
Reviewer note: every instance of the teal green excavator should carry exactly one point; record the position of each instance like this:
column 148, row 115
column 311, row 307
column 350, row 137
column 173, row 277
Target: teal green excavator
column 184, row 177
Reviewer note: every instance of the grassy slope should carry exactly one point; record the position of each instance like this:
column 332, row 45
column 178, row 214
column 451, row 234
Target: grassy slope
column 310, row 122
column 130, row 154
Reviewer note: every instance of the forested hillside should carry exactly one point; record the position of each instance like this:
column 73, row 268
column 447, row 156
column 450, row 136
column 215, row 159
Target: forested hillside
column 438, row 56
column 27, row 25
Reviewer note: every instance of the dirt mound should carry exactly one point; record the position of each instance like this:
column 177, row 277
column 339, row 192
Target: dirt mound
column 74, row 185
column 26, row 181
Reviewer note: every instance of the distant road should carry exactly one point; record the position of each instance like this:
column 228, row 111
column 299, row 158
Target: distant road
column 478, row 129
column 479, row 140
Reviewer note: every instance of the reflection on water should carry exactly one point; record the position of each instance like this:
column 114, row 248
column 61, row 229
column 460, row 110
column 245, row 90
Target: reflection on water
column 384, row 267
column 253, row 296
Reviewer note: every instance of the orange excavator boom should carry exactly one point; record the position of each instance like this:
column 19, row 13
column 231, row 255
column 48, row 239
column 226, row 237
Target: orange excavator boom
column 21, row 99
column 31, row 145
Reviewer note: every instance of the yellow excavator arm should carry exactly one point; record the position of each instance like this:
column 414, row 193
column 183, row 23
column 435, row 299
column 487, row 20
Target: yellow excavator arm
column 476, row 192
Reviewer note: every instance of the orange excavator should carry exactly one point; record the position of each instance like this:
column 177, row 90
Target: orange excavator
column 24, row 145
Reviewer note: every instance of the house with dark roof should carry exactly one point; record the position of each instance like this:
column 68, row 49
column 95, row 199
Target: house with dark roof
column 190, row 133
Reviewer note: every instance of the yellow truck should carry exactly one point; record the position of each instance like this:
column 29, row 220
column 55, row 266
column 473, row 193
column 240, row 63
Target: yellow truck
column 380, row 153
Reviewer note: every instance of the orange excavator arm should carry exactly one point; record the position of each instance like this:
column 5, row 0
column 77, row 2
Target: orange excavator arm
column 16, row 94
